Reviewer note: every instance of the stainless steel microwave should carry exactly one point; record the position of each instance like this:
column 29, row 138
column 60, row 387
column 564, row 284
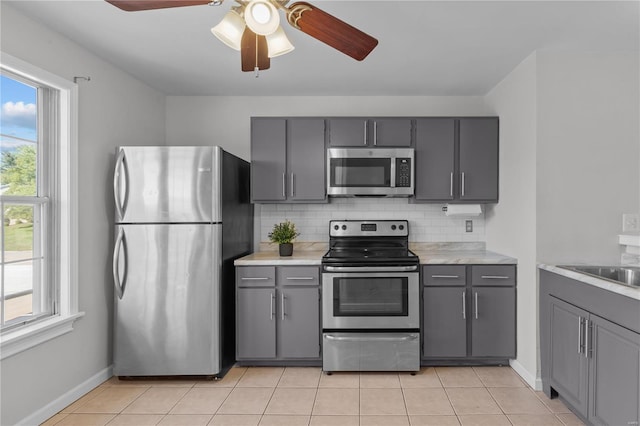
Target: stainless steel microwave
column 370, row 172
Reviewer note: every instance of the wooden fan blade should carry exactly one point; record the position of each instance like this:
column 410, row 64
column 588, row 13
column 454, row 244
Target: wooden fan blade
column 135, row 5
column 331, row 30
column 254, row 51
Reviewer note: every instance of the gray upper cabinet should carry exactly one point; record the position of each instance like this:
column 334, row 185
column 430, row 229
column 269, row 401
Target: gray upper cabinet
column 478, row 159
column 469, row 312
column 369, row 132
column 287, row 160
column 268, row 159
column 278, row 313
column 457, row 160
column 590, row 361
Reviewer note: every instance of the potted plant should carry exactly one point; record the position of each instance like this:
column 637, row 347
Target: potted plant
column 284, row 233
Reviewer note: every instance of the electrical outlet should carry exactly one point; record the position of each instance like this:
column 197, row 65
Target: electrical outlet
column 631, row 222
column 468, row 224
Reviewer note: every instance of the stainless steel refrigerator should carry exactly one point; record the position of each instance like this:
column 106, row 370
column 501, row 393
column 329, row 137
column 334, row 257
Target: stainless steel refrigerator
column 183, row 215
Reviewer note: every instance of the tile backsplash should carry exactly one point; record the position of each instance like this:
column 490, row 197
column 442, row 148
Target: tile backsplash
column 427, row 222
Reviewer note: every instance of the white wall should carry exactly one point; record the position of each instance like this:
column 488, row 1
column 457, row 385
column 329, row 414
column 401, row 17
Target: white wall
column 511, row 224
column 114, row 109
column 588, row 154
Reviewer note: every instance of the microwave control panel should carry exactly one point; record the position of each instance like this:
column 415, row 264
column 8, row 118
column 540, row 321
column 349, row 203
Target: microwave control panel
column 403, row 172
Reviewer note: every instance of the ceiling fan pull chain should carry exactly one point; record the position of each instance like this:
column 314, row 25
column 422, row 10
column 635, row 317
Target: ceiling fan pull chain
column 257, row 68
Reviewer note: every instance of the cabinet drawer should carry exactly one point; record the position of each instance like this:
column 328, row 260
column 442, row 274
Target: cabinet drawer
column 299, row 275
column 256, row 276
column 444, row 275
column 493, row 275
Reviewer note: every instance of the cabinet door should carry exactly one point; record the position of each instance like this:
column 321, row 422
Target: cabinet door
column 493, row 323
column 299, row 322
column 568, row 370
column 307, row 158
column 391, row 132
column 614, row 379
column 479, row 159
column 435, row 171
column 256, row 324
column 268, row 159
column 444, row 322
column 348, row 132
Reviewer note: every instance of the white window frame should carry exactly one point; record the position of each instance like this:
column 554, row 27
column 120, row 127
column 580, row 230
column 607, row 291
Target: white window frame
column 22, row 338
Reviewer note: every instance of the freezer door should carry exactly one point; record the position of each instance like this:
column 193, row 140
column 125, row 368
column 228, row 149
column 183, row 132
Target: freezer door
column 167, row 304
column 165, row 184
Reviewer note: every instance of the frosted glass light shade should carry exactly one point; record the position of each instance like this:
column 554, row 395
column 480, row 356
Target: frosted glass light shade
column 262, row 17
column 230, row 29
column 278, row 43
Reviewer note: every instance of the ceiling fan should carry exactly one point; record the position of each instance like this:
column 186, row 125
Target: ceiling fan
column 253, row 28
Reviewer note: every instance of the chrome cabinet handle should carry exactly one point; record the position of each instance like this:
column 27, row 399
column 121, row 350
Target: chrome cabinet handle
column 120, row 244
column 580, row 334
column 301, row 278
column 284, row 183
column 464, row 305
column 451, row 185
column 283, row 313
column 476, row 300
column 375, row 133
column 292, row 185
column 462, row 185
column 494, row 277
column 271, row 299
column 445, row 276
column 587, row 337
column 254, row 278
column 365, row 132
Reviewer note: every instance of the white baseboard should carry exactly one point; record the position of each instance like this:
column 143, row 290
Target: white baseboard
column 533, row 381
column 67, row 398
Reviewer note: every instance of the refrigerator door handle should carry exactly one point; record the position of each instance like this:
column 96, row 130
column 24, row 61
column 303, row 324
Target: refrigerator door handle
column 120, row 167
column 120, row 244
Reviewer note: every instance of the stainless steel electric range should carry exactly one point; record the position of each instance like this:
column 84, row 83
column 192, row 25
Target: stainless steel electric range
column 370, row 298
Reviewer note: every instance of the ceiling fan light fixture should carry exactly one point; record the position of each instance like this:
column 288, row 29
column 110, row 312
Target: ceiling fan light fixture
column 262, row 17
column 278, row 43
column 230, row 29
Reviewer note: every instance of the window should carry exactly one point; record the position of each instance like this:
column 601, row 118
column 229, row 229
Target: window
column 38, row 292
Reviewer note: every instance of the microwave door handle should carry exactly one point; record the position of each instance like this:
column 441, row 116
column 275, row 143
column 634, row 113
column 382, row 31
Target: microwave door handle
column 393, row 172
column 365, row 132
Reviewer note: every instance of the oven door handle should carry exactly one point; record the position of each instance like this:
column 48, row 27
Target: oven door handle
column 365, row 269
column 370, row 338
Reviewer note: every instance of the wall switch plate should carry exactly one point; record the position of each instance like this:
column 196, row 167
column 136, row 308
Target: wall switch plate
column 631, row 222
column 468, row 224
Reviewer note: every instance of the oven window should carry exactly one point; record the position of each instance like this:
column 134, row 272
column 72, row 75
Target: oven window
column 370, row 297
column 360, row 172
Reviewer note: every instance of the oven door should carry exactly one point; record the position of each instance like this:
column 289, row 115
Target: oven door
column 370, row 300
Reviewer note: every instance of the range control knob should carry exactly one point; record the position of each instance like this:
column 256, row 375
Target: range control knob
column 393, row 227
column 401, row 227
column 344, row 227
column 336, row 227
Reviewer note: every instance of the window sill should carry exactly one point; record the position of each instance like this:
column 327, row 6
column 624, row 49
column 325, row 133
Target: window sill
column 29, row 336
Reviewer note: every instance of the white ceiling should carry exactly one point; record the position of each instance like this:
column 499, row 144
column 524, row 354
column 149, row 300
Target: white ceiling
column 425, row 47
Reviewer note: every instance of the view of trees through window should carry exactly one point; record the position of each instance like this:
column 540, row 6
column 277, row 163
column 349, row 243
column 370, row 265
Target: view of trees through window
column 19, row 207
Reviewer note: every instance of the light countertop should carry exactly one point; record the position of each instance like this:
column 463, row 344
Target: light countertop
column 429, row 253
column 624, row 290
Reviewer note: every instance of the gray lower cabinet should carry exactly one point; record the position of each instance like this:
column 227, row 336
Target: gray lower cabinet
column 594, row 365
column 278, row 313
column 457, row 159
column 287, row 160
column 369, row 132
column 469, row 313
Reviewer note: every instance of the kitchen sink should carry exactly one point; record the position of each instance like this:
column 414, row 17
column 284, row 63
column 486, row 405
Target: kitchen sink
column 627, row 275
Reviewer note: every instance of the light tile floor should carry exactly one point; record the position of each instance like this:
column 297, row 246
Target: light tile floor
column 294, row 396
